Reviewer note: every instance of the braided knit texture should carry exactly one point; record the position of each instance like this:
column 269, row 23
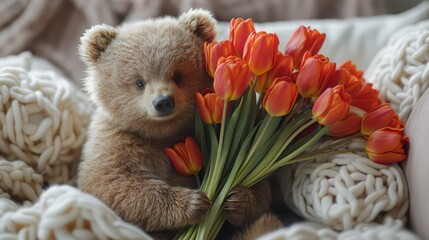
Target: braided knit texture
column 401, row 69
column 43, row 122
column 64, row 212
column 391, row 229
column 345, row 190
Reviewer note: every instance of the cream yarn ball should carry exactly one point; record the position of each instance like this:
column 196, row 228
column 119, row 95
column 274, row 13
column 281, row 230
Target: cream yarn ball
column 64, row 212
column 401, row 69
column 345, row 190
column 43, row 121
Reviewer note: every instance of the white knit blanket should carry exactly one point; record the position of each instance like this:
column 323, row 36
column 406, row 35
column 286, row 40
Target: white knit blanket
column 43, row 121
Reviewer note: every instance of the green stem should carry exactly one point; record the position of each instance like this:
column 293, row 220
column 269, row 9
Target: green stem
column 187, row 234
column 197, row 179
column 214, row 214
column 301, row 149
column 335, row 143
column 254, row 146
column 261, row 170
column 218, row 166
column 293, row 112
column 288, row 158
column 215, row 228
column 324, row 154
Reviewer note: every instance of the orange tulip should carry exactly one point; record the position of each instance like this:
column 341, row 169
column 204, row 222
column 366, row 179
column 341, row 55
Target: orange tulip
column 302, row 40
column 348, row 126
column 215, row 50
column 387, row 145
column 367, row 98
column 282, row 68
column 280, row 97
column 380, row 117
column 209, row 106
column 349, row 66
column 260, row 51
column 352, row 84
column 332, row 106
column 186, row 157
column 231, row 78
column 239, row 31
column 314, row 76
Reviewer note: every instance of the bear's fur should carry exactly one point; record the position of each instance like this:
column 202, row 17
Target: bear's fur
column 123, row 163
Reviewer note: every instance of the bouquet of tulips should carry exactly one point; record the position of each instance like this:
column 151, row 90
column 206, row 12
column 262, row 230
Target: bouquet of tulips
column 268, row 107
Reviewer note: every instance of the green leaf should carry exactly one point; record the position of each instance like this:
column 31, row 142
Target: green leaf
column 229, row 132
column 212, row 159
column 201, row 138
column 256, row 159
column 296, row 144
column 279, row 145
column 269, row 130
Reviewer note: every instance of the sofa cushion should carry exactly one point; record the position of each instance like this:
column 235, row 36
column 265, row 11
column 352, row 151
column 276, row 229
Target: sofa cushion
column 416, row 167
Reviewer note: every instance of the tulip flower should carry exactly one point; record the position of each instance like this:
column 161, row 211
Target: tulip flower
column 349, row 66
column 348, row 126
column 260, row 51
column 215, row 50
column 333, row 105
column 387, row 145
column 186, row 157
column 282, row 68
column 367, row 98
column 380, row 117
column 352, row 84
column 239, row 31
column 302, row 40
column 209, row 106
column 314, row 76
column 231, row 78
column 280, row 97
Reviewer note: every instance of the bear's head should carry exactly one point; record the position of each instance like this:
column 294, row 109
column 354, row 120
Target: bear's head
column 144, row 75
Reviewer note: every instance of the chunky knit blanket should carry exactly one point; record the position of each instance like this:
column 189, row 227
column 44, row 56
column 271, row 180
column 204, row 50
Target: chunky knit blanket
column 43, row 121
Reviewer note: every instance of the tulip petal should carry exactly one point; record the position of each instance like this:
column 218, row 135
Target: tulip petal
column 303, row 41
column 387, row 145
column 202, row 108
column 333, row 105
column 345, row 127
column 231, row 78
column 178, row 163
column 195, row 161
column 280, row 97
column 380, row 117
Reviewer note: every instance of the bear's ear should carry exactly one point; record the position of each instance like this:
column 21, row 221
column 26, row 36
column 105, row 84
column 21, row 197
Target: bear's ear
column 199, row 22
column 94, row 41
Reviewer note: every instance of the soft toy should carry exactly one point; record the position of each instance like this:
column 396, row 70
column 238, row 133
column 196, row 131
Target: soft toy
column 143, row 77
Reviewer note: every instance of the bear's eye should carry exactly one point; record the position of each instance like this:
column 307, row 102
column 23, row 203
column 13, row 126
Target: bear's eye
column 177, row 78
column 139, row 84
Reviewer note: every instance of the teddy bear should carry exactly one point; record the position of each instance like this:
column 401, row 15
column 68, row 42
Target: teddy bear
column 142, row 77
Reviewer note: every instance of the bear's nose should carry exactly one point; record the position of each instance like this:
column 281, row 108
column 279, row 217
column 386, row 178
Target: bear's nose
column 164, row 104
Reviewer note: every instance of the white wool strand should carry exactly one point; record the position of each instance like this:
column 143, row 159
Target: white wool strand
column 43, row 122
column 64, row 212
column 401, row 69
column 345, row 190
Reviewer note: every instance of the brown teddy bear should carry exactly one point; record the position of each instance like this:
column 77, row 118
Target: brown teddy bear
column 143, row 77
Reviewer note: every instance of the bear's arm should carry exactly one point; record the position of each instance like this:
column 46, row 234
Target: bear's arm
column 245, row 205
column 131, row 176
